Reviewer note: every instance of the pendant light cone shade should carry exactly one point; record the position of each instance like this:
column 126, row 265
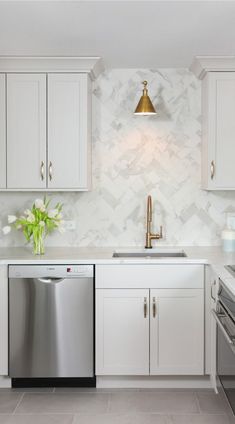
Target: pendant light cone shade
column 145, row 106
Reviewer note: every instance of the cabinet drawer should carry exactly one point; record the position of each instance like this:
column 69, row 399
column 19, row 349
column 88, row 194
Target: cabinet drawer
column 150, row 276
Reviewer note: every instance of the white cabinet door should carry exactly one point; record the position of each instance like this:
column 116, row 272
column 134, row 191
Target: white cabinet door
column 3, row 320
column 2, row 131
column 177, row 331
column 122, row 332
column 218, row 103
column 26, row 131
column 68, row 131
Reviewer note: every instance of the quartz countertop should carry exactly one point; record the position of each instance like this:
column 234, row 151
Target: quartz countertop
column 213, row 256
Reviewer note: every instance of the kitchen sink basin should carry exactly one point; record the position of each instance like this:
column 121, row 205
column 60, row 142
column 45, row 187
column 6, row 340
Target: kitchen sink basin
column 150, row 254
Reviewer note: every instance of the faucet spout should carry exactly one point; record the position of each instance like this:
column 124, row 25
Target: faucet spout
column 149, row 235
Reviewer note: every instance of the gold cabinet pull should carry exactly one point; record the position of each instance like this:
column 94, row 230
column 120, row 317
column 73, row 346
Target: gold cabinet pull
column 212, row 169
column 145, row 307
column 154, row 307
column 50, row 170
column 42, row 170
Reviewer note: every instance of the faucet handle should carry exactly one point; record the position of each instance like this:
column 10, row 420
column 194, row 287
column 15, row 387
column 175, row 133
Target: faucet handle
column 160, row 234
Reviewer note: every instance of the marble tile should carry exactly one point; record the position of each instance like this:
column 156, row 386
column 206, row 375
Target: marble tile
column 201, row 419
column 135, row 156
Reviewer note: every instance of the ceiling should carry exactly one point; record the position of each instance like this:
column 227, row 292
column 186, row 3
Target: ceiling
column 127, row 34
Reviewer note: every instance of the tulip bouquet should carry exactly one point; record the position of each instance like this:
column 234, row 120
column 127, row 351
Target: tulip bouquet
column 36, row 223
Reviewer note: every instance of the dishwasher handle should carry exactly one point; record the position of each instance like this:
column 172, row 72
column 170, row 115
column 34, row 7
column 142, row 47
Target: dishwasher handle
column 50, row 280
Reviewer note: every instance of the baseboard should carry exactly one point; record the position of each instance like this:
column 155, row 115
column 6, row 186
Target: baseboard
column 5, row 382
column 162, row 382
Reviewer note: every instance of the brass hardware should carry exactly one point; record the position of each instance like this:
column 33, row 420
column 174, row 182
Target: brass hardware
column 212, row 169
column 42, row 170
column 145, row 307
column 50, row 171
column 145, row 106
column 154, row 307
column 149, row 235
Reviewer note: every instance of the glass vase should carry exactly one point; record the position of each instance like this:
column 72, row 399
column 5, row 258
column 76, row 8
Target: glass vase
column 38, row 242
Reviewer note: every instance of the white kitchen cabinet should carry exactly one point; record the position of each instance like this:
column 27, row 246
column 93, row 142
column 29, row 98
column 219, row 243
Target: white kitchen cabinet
column 2, row 131
column 26, row 131
column 69, row 115
column 218, row 131
column 3, row 321
column 166, row 340
column 122, row 332
column 177, row 332
column 45, row 122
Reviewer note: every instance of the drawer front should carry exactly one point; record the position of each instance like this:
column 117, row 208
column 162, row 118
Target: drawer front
column 150, row 276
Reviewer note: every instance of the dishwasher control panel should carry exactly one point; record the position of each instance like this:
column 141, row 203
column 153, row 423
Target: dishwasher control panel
column 46, row 271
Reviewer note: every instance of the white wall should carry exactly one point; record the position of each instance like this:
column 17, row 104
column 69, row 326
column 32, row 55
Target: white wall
column 134, row 156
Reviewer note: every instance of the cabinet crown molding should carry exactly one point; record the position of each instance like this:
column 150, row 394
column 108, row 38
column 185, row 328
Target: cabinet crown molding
column 203, row 64
column 69, row 64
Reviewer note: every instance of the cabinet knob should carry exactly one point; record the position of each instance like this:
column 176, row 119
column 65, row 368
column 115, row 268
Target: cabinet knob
column 145, row 307
column 42, row 170
column 212, row 169
column 50, row 170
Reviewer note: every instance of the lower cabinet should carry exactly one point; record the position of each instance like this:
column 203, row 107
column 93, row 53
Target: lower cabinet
column 177, row 332
column 122, row 332
column 150, row 331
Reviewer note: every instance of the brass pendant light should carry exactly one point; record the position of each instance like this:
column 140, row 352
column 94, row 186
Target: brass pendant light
column 145, row 106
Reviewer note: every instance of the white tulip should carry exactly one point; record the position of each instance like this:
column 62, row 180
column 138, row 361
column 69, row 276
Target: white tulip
column 39, row 203
column 42, row 224
column 6, row 229
column 31, row 218
column 27, row 212
column 52, row 213
column 11, row 219
column 18, row 227
column 42, row 208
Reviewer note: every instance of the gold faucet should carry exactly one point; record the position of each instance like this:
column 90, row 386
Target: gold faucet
column 149, row 235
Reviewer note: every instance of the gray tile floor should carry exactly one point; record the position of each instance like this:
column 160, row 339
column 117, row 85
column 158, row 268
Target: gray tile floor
column 91, row 406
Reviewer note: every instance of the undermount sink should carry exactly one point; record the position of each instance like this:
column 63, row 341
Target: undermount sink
column 150, row 254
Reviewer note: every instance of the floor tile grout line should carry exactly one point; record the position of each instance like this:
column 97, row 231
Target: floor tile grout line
column 198, row 402
column 18, row 403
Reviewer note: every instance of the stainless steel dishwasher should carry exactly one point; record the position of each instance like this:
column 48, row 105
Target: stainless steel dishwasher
column 51, row 321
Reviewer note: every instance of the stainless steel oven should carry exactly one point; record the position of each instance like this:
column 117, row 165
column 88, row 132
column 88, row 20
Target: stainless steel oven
column 225, row 319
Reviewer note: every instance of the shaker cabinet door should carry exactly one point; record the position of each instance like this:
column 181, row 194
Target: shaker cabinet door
column 68, row 134
column 218, row 130
column 177, row 331
column 26, row 131
column 2, row 131
column 122, row 332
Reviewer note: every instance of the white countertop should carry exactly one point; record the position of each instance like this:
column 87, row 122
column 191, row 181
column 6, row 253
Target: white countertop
column 213, row 256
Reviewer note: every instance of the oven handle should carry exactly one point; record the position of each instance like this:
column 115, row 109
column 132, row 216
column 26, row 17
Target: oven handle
column 217, row 316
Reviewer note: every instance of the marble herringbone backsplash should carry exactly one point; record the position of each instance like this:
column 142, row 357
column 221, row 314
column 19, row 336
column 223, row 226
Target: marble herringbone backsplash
column 134, row 156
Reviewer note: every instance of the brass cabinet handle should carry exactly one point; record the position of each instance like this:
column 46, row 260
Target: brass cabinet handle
column 145, row 307
column 50, row 171
column 154, row 307
column 212, row 169
column 42, row 170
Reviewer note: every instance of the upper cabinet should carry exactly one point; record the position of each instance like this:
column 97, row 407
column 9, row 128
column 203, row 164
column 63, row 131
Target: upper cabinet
column 218, row 124
column 69, row 131
column 26, row 131
column 2, row 131
column 45, row 123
